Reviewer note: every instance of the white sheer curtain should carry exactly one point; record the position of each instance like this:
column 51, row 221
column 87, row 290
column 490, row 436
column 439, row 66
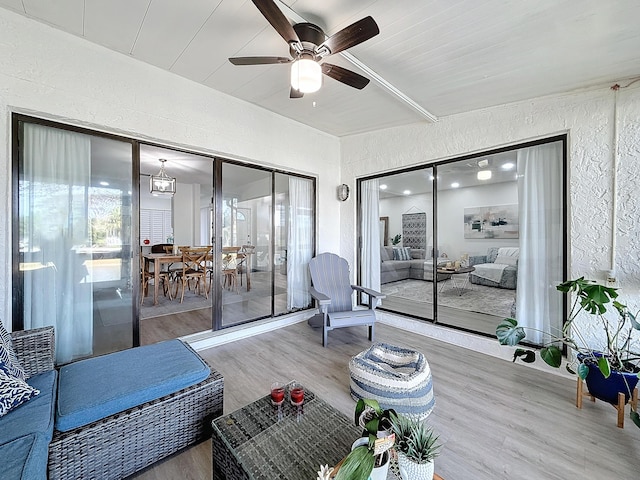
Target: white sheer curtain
column 539, row 304
column 299, row 242
column 54, row 228
column 370, row 228
column 205, row 225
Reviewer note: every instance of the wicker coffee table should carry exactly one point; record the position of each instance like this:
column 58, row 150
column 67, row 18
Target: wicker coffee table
column 261, row 441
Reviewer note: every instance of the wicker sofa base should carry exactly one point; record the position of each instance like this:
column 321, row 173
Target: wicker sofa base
column 122, row 444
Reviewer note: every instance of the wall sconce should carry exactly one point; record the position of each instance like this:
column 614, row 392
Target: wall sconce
column 343, row 192
column 162, row 184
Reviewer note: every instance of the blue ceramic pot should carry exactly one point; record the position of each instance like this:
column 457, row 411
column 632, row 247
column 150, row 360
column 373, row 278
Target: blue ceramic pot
column 607, row 389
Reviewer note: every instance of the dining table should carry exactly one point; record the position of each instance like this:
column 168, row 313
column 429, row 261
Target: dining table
column 158, row 260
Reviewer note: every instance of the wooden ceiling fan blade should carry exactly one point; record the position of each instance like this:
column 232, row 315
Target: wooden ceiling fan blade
column 352, row 35
column 295, row 93
column 276, row 18
column 345, row 76
column 258, row 60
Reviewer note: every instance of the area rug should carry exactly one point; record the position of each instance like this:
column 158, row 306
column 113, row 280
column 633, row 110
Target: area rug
column 474, row 298
column 260, row 289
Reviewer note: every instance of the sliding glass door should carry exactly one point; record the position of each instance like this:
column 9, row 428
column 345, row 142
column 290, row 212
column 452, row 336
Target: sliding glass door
column 74, row 231
column 492, row 234
column 246, row 253
column 103, row 259
column 397, row 240
column 267, row 240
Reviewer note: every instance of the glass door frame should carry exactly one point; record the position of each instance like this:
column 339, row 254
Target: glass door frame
column 434, row 164
column 17, row 279
column 17, row 119
column 217, row 240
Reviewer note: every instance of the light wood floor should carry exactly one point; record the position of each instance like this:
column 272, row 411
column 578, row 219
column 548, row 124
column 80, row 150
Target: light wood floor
column 496, row 420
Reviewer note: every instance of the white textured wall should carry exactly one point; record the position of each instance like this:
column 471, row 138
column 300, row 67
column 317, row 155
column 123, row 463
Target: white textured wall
column 588, row 119
column 50, row 74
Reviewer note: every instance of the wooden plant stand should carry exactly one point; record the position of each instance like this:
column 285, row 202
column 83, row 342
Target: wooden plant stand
column 580, row 392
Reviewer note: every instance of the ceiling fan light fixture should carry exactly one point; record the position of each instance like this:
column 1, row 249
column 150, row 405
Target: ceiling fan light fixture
column 484, row 175
column 306, row 75
column 162, row 184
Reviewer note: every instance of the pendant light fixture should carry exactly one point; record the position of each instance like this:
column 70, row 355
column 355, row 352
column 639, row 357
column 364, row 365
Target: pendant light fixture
column 162, row 184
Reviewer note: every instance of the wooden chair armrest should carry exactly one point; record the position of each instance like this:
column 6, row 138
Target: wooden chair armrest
column 319, row 297
column 368, row 291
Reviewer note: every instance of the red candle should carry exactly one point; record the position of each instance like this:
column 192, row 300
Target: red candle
column 277, row 393
column 297, row 395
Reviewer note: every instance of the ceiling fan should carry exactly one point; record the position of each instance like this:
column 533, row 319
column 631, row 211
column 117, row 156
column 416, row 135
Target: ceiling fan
column 308, row 45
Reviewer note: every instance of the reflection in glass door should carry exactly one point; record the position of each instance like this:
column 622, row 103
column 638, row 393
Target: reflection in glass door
column 477, row 218
column 74, row 210
column 246, row 273
column 397, row 222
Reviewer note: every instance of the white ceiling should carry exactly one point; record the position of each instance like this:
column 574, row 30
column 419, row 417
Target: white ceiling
column 447, row 56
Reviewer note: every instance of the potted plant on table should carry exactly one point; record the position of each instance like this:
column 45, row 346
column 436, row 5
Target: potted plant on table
column 370, row 455
column 607, row 370
column 416, row 446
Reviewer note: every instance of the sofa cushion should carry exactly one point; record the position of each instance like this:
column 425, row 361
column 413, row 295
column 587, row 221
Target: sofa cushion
column 492, row 253
column 418, row 253
column 25, row 432
column 507, row 256
column 92, row 389
column 25, row 458
column 506, row 260
column 8, row 360
column 34, row 416
column 384, row 254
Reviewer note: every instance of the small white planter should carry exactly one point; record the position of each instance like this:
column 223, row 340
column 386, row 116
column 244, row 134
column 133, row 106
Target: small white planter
column 410, row 470
column 378, row 473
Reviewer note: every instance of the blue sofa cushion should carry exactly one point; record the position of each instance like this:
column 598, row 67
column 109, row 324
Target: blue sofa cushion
column 92, row 389
column 25, row 458
column 34, row 416
column 26, row 431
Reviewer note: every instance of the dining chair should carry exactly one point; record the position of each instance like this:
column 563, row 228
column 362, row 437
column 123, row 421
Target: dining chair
column 244, row 265
column 146, row 274
column 230, row 268
column 193, row 268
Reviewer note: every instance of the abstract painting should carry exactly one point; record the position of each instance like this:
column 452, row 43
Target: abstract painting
column 497, row 221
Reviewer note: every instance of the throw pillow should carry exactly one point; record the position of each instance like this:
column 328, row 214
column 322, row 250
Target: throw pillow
column 401, row 253
column 14, row 392
column 8, row 360
column 506, row 260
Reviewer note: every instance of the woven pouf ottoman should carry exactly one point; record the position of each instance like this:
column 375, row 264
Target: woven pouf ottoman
column 396, row 377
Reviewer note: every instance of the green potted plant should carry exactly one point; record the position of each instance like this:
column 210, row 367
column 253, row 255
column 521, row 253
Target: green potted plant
column 396, row 240
column 369, row 458
column 416, row 446
column 607, row 370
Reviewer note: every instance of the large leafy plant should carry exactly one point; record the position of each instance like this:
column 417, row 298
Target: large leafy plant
column 617, row 354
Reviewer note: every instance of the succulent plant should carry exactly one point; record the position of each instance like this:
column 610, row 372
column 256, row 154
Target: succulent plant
column 415, row 439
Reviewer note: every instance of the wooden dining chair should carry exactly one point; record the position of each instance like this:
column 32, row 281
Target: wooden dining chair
column 147, row 274
column 193, row 268
column 247, row 251
column 230, row 270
